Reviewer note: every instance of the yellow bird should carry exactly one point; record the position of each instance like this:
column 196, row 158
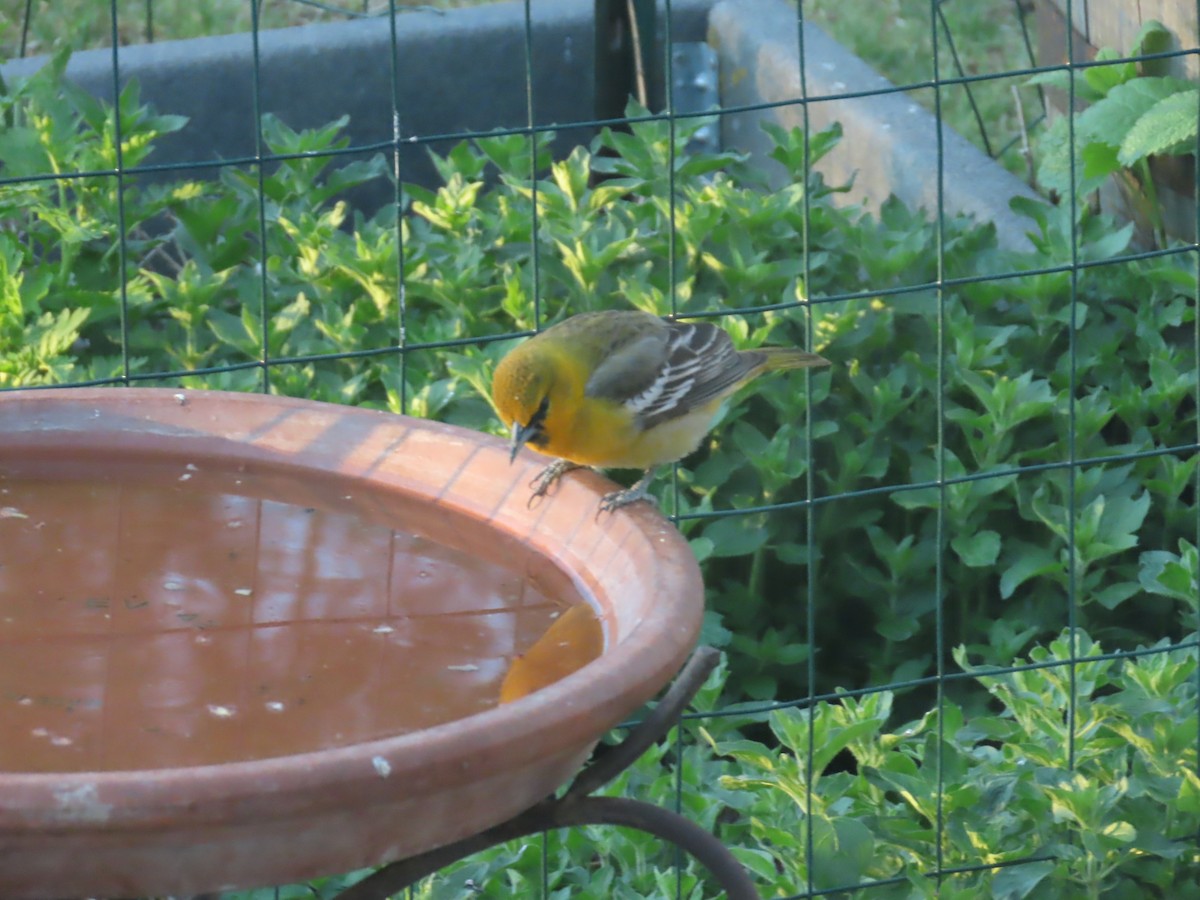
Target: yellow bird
column 623, row 390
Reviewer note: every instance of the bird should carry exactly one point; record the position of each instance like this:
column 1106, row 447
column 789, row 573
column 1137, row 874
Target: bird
column 623, row 389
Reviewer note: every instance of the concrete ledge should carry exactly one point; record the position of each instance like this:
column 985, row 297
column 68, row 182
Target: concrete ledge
column 463, row 70
column 890, row 143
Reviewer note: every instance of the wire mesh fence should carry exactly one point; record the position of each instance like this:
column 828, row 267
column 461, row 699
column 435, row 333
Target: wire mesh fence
column 955, row 577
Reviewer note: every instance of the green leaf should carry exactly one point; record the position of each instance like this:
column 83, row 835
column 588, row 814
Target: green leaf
column 1108, row 119
column 977, row 550
column 11, row 278
column 1031, row 561
column 712, row 632
column 849, row 857
column 231, row 330
column 1017, row 882
column 1120, row 831
column 1165, row 573
column 293, row 314
column 735, row 536
column 23, row 153
column 702, row 547
column 1108, row 525
column 759, row 863
column 1102, row 79
column 1108, row 245
column 1099, row 160
column 833, row 731
column 1167, row 127
column 1113, row 595
column 1152, row 37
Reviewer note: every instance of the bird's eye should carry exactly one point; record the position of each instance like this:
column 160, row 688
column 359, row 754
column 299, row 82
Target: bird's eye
column 537, row 423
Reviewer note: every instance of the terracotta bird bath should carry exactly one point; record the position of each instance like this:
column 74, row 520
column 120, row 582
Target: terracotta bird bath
column 249, row 640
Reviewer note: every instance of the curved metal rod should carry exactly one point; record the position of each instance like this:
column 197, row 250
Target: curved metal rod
column 576, row 808
column 670, row 826
column 657, row 723
column 621, row 811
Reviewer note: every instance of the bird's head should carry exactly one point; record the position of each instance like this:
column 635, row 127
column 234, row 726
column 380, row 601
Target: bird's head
column 521, row 390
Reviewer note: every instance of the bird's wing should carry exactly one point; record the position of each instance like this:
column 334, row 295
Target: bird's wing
column 669, row 372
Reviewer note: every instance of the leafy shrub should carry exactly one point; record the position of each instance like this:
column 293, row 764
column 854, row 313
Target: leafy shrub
column 1004, row 444
column 1132, row 116
column 1104, row 803
column 1020, row 817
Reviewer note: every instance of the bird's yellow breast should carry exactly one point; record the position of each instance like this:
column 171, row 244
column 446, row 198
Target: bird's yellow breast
column 606, row 435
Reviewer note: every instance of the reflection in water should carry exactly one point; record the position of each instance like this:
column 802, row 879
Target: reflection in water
column 195, row 616
column 572, row 640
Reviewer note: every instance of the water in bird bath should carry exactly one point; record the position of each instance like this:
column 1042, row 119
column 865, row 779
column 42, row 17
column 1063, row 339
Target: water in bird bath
column 174, row 615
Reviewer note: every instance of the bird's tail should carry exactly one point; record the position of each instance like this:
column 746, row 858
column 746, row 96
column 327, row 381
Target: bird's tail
column 788, row 358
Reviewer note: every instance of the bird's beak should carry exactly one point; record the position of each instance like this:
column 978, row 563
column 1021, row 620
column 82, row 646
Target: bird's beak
column 520, row 434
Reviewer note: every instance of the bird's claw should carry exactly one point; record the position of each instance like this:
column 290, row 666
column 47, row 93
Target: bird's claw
column 639, row 491
column 548, row 477
column 617, row 499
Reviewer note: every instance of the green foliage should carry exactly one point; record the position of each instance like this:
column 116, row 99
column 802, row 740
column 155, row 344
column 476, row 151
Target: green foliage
column 1131, row 116
column 999, row 538
column 1021, row 818
column 1116, row 819
column 58, row 254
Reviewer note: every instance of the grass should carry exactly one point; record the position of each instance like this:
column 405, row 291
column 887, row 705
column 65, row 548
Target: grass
column 896, row 38
column 86, row 24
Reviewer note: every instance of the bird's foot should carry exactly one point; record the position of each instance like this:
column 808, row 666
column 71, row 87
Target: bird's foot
column 548, row 477
column 639, row 491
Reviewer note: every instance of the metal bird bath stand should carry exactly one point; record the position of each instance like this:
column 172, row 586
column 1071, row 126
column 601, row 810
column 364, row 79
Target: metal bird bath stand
column 575, row 806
